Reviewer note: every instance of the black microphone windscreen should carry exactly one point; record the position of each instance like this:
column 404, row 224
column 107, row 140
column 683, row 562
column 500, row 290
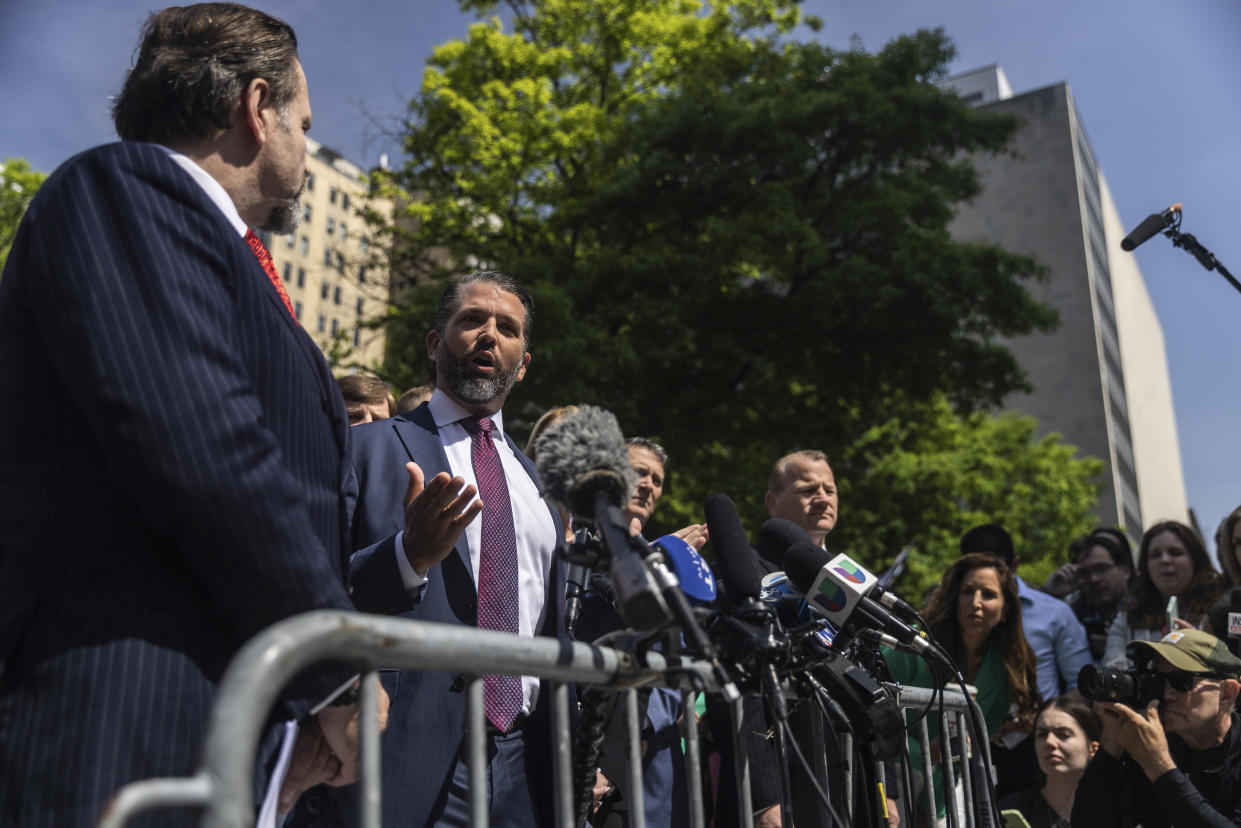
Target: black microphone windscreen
column 739, row 568
column 1151, row 225
column 802, row 563
column 776, row 536
column 582, row 455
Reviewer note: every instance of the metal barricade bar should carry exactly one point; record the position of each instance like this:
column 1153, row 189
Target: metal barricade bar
column 222, row 787
column 253, row 680
column 955, row 704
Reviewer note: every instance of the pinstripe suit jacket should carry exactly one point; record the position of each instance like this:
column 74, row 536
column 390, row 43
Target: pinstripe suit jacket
column 172, row 461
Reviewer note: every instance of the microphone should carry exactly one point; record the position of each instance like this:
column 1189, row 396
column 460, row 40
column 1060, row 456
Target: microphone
column 1151, row 225
column 776, row 536
column 780, row 534
column 739, row 568
column 691, row 570
column 839, row 589
column 584, row 464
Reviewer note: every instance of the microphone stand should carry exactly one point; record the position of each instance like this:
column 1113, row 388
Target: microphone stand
column 1206, row 258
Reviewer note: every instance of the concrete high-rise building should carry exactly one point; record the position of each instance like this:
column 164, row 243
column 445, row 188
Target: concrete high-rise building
column 1101, row 379
column 328, row 263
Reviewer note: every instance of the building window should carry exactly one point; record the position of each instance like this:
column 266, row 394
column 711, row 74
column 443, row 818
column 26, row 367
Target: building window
column 297, row 310
column 290, row 239
column 344, row 231
column 288, row 271
column 327, row 258
column 331, row 195
column 362, row 275
column 340, row 263
column 364, row 243
column 305, row 212
column 322, row 322
column 304, row 246
column 344, row 201
column 357, row 336
column 334, row 327
column 331, row 225
column 336, row 296
column 323, row 289
column 310, row 181
column 301, row 277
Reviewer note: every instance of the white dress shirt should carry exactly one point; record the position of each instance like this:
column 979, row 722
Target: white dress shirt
column 532, row 522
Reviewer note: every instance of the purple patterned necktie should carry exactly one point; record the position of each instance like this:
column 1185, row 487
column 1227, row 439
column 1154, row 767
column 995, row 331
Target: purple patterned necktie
column 497, row 567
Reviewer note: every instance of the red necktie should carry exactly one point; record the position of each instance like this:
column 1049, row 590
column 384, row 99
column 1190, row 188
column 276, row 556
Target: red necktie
column 497, row 567
column 260, row 252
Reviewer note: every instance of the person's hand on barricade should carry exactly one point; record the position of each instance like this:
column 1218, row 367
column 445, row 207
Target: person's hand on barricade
column 436, row 513
column 312, row 763
column 340, row 730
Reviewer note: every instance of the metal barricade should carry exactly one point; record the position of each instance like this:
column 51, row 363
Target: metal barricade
column 222, row 786
column 960, row 811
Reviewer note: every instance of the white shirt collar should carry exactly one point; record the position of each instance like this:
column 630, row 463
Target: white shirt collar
column 219, row 197
column 446, row 411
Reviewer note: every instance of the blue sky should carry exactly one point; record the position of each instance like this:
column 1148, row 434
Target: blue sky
column 1155, row 83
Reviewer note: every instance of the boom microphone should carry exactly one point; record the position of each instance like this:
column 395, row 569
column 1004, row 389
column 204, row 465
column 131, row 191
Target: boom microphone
column 584, row 464
column 1151, row 225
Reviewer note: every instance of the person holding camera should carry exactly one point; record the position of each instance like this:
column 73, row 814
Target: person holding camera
column 1171, row 753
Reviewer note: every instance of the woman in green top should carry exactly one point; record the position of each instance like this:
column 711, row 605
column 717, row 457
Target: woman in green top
column 975, row 615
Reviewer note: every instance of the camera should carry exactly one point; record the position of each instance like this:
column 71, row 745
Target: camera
column 1136, row 688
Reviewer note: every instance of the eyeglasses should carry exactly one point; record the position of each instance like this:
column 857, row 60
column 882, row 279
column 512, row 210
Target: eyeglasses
column 1096, row 571
column 1183, row 682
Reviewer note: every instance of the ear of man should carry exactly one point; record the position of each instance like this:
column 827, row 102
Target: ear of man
column 257, row 113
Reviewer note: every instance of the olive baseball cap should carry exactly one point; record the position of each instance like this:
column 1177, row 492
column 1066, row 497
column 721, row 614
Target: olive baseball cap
column 1193, row 651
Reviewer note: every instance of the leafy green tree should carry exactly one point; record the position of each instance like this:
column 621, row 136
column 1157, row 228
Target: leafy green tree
column 929, row 482
column 18, row 184
column 737, row 241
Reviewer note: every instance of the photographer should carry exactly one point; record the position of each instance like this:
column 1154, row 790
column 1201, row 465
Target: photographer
column 1177, row 762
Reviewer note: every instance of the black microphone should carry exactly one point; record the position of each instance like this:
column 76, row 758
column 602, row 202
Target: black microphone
column 575, row 583
column 739, row 568
column 776, row 536
column 584, row 464
column 1151, row 225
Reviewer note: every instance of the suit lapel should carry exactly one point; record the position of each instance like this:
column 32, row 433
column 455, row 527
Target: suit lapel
column 420, row 438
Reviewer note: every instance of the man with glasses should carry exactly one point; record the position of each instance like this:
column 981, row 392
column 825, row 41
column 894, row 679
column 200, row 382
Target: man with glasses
column 1101, row 568
column 1178, row 762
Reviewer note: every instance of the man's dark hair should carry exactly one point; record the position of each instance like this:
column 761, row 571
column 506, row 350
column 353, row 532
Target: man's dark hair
column 989, row 539
column 661, row 454
column 1113, row 540
column 450, row 301
column 194, row 63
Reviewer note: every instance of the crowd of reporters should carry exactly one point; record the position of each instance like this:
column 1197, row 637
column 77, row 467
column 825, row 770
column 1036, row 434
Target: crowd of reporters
column 1021, row 649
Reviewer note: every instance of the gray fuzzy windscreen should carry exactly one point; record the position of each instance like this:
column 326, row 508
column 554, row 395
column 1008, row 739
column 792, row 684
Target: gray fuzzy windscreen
column 582, row 454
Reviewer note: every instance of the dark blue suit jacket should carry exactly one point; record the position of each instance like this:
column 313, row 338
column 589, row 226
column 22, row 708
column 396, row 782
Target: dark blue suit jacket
column 426, row 722
column 172, row 462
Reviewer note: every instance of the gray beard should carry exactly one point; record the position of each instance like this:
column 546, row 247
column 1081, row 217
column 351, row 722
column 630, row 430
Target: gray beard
column 472, row 390
column 285, row 217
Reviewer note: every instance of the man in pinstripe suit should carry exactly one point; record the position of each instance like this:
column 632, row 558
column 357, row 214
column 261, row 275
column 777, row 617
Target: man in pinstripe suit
column 173, row 448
